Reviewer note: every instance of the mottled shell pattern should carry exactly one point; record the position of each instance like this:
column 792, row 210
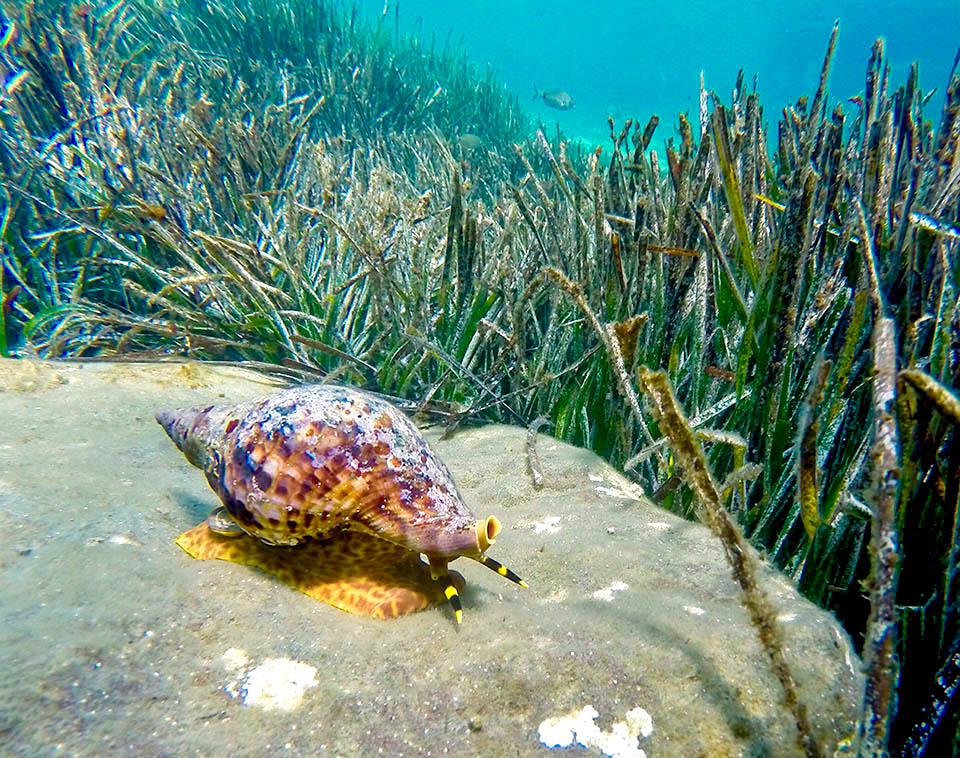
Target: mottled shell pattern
column 312, row 461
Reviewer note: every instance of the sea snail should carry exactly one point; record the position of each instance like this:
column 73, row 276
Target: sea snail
column 315, row 461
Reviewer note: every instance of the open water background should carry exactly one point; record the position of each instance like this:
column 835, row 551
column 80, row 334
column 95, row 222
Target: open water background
column 631, row 59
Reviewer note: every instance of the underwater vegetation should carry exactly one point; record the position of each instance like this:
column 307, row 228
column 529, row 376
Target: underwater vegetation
column 274, row 185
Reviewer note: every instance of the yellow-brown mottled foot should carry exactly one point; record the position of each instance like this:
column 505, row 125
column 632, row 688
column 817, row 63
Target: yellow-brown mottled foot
column 502, row 570
column 352, row 571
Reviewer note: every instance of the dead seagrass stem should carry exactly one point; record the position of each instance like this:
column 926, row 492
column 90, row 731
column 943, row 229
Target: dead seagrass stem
column 942, row 398
column 608, row 337
column 879, row 645
column 807, row 476
column 533, row 460
column 690, row 456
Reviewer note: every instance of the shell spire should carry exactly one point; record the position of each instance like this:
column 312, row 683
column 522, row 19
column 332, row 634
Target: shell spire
column 192, row 431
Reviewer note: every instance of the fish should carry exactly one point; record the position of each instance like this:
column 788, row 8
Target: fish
column 555, row 98
column 469, row 142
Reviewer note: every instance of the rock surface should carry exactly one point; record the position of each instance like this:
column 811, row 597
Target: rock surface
column 113, row 641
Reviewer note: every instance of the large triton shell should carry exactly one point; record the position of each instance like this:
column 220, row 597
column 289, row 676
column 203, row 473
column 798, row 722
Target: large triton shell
column 311, row 461
column 315, row 462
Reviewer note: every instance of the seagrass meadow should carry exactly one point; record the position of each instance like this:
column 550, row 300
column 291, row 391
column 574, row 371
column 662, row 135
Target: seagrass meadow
column 756, row 318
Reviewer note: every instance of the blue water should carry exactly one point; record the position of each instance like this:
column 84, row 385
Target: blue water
column 632, row 59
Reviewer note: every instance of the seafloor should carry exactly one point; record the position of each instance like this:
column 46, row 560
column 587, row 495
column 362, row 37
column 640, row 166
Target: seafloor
column 114, row 642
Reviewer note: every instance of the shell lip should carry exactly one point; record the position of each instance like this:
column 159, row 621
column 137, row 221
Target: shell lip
column 487, row 531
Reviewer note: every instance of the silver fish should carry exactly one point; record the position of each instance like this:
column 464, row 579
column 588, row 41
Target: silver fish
column 555, row 98
column 469, row 142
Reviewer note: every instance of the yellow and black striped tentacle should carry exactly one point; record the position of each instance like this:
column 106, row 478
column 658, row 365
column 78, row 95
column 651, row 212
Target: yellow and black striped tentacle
column 453, row 595
column 439, row 572
column 502, row 570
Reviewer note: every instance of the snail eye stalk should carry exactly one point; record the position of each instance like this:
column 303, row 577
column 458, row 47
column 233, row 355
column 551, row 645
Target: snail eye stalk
column 453, row 595
column 502, row 570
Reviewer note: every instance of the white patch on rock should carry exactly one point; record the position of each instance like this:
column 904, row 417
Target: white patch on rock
column 550, row 525
column 557, row 596
column 123, row 539
column 693, row 610
column 607, row 592
column 235, row 659
column 277, row 684
column 608, row 491
column 622, row 741
column 640, row 721
column 619, row 490
column 595, row 478
column 657, row 526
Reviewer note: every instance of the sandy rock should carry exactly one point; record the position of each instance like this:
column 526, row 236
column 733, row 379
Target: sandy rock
column 113, row 641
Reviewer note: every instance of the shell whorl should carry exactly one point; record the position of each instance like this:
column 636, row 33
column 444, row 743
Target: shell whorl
column 314, row 460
